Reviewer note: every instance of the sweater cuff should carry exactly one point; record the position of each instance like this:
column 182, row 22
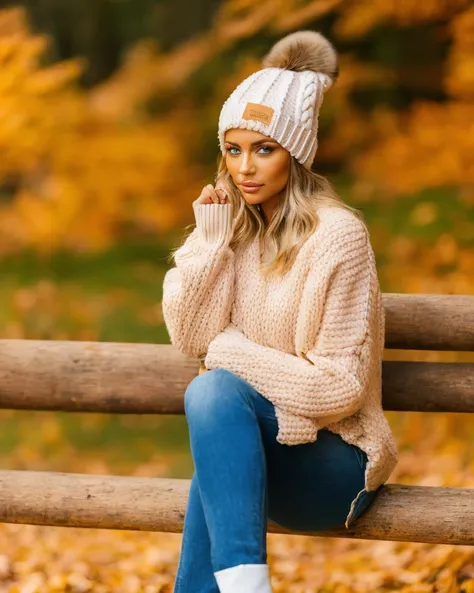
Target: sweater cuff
column 214, row 222
column 295, row 430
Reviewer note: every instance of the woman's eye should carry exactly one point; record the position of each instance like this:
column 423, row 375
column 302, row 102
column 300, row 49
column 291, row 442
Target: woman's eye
column 268, row 148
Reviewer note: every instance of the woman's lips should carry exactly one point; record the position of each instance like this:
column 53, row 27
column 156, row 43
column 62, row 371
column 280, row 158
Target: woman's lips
column 251, row 189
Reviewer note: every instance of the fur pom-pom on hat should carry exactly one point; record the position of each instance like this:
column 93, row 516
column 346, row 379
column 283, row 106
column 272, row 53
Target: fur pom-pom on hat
column 304, row 50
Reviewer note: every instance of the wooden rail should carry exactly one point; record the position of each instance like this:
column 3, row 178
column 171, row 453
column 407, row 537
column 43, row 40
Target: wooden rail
column 429, row 322
column 399, row 513
column 152, row 379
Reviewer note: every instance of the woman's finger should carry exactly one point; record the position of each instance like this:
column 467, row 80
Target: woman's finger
column 210, row 194
column 221, row 193
column 216, row 198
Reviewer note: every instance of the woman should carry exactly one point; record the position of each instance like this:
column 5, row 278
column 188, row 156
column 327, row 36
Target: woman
column 276, row 289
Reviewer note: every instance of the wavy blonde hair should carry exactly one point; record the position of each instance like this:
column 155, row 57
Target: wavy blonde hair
column 294, row 219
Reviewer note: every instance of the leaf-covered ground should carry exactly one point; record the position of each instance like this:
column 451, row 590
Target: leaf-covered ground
column 56, row 559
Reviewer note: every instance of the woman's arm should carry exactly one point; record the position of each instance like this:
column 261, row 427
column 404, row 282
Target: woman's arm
column 198, row 292
column 327, row 380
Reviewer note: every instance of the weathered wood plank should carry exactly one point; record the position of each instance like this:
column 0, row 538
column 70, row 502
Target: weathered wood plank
column 429, row 321
column 152, row 379
column 400, row 513
column 428, row 386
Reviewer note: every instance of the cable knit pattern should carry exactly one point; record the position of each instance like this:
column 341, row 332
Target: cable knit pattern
column 294, row 97
column 310, row 342
column 309, row 100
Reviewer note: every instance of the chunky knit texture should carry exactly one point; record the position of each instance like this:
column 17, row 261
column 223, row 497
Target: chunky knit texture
column 310, row 342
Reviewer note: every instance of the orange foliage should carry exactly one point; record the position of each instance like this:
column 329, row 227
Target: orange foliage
column 432, row 144
column 79, row 166
column 77, row 176
column 357, row 17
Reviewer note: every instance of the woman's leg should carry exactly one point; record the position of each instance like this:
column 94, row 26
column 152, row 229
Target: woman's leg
column 195, row 572
column 311, row 486
column 247, row 476
column 230, row 466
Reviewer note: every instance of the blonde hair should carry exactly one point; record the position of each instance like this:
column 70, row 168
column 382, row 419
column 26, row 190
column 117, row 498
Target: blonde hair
column 294, row 219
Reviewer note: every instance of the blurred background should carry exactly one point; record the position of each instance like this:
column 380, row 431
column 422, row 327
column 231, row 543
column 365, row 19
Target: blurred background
column 108, row 132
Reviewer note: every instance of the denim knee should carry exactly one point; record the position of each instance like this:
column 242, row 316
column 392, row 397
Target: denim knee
column 209, row 392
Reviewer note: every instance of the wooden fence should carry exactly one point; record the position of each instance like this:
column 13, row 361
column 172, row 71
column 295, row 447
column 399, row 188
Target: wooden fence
column 151, row 379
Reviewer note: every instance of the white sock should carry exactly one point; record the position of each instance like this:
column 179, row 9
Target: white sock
column 244, row 578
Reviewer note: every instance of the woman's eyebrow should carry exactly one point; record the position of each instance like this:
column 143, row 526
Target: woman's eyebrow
column 253, row 143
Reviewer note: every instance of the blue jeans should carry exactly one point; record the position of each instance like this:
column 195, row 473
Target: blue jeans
column 243, row 476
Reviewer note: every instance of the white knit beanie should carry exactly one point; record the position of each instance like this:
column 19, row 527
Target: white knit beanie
column 282, row 100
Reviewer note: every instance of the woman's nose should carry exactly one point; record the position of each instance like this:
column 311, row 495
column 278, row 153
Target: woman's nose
column 246, row 163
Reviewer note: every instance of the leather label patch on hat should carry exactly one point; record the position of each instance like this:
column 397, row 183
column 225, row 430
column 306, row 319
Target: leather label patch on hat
column 258, row 112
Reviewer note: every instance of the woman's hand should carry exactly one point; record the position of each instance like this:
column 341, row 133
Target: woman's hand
column 211, row 195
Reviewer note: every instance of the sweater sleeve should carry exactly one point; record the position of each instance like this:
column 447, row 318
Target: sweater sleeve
column 325, row 381
column 198, row 292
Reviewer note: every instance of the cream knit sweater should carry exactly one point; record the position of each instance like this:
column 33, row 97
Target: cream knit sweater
column 310, row 342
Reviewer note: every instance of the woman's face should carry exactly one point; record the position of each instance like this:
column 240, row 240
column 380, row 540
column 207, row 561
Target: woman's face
column 253, row 157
